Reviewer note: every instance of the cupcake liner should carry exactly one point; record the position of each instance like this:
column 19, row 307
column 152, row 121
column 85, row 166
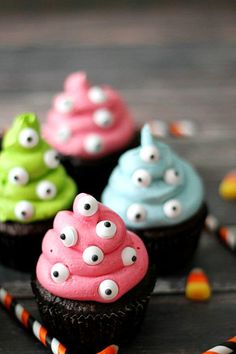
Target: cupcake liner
column 20, row 244
column 172, row 248
column 87, row 326
column 91, row 176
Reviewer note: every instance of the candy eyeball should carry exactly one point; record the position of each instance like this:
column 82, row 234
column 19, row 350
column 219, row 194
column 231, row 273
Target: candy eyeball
column 106, row 229
column 28, row 138
column 18, row 175
column 64, row 134
column 108, row 289
column 59, row 273
column 69, row 236
column 64, row 104
column 87, row 205
column 93, row 144
column 149, row 154
column 136, row 213
column 128, row 256
column 172, row 208
column 172, row 176
column 97, row 95
column 46, row 190
column 51, row 159
column 24, row 210
column 103, row 118
column 141, row 178
column 93, row 255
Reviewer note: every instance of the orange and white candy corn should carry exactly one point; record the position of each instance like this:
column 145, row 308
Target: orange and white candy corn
column 197, row 286
column 227, row 188
column 112, row 349
column 181, row 129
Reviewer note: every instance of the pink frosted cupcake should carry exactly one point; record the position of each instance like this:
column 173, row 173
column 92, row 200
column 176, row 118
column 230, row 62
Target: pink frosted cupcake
column 92, row 281
column 91, row 127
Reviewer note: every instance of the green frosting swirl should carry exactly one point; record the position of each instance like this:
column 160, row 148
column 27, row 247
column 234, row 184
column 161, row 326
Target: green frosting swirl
column 33, row 185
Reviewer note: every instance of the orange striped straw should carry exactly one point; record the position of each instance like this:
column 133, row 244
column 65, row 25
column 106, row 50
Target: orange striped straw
column 40, row 332
column 227, row 347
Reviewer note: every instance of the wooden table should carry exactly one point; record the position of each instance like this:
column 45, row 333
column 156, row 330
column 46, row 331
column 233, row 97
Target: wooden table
column 169, row 63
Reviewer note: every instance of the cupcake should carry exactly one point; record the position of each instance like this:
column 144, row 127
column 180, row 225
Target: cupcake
column 33, row 188
column 161, row 198
column 91, row 127
column 92, row 282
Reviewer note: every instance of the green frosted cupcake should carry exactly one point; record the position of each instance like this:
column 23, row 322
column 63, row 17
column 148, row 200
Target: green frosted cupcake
column 33, row 188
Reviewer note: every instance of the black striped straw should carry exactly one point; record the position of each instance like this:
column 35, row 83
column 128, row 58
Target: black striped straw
column 39, row 331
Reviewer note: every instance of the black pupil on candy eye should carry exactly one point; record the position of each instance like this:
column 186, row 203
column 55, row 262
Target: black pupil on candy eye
column 48, row 191
column 56, row 274
column 138, row 216
column 63, row 236
column 107, row 224
column 87, row 206
column 29, row 139
column 94, row 258
column 134, row 258
column 56, row 157
column 108, row 291
column 174, row 208
column 140, row 179
column 152, row 157
column 23, row 213
column 16, row 178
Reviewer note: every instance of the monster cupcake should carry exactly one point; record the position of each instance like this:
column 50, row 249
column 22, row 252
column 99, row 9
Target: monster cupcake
column 91, row 127
column 33, row 188
column 161, row 198
column 92, row 281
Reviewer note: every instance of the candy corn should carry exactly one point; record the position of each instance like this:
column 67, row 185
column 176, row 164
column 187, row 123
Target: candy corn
column 40, row 332
column 197, row 286
column 228, row 186
column 158, row 128
column 182, row 128
column 227, row 347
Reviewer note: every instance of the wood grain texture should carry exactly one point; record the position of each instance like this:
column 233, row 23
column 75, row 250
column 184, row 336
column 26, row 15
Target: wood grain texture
column 169, row 62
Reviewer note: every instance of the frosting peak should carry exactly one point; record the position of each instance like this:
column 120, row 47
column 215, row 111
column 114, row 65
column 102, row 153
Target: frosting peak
column 89, row 254
column 33, row 185
column 88, row 121
column 152, row 186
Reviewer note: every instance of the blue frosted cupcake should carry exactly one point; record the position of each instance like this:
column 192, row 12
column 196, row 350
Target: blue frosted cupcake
column 161, row 197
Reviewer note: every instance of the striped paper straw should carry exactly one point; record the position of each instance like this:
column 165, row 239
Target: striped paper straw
column 227, row 347
column 40, row 332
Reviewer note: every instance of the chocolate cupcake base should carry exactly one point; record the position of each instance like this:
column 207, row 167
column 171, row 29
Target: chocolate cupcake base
column 87, row 326
column 172, row 248
column 20, row 244
column 91, row 176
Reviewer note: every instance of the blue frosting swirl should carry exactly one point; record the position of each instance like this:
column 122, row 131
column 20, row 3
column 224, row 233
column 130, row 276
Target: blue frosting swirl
column 152, row 186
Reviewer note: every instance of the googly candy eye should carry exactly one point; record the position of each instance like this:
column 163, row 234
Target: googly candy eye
column 106, row 229
column 108, row 289
column 149, row 154
column 93, row 144
column 69, row 236
column 87, row 205
column 64, row 134
column 136, row 213
column 46, row 190
column 172, row 176
column 103, row 118
column 18, row 175
column 59, row 273
column 24, row 210
column 97, row 95
column 28, row 138
column 93, row 255
column 172, row 208
column 51, row 159
column 141, row 178
column 128, row 256
column 64, row 104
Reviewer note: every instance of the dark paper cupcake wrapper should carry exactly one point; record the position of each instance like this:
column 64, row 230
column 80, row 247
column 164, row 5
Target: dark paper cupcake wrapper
column 20, row 244
column 172, row 248
column 88, row 327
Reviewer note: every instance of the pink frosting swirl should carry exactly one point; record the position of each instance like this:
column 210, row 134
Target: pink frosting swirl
column 88, row 121
column 89, row 254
